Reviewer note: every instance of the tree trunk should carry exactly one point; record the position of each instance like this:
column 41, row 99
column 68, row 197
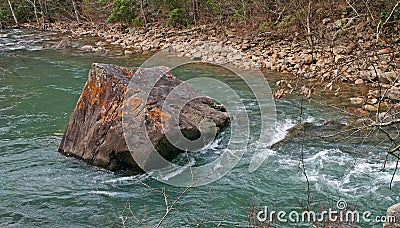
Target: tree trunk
column 13, row 14
column 35, row 11
column 143, row 13
column 308, row 25
column 76, row 12
column 244, row 13
column 43, row 14
column 45, row 9
column 194, row 3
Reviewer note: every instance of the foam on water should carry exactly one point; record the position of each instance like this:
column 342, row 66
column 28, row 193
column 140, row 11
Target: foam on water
column 168, row 174
column 106, row 193
column 214, row 145
column 340, row 172
column 282, row 129
column 347, row 174
column 129, row 179
column 16, row 40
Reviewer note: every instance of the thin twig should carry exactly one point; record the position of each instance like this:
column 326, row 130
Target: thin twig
column 303, row 168
column 171, row 208
column 394, row 173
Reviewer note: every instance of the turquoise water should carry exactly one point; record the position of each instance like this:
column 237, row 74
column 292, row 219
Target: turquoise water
column 39, row 88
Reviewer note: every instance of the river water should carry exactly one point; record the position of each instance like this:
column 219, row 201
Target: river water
column 39, row 87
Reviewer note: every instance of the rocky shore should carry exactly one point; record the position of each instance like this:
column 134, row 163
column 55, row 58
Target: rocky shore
column 359, row 62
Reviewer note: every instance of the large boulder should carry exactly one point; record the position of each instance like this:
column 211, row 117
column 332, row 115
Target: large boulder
column 95, row 129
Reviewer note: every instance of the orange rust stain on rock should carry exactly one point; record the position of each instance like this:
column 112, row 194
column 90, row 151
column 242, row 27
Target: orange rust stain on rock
column 89, row 95
column 105, row 93
column 80, row 103
column 96, row 92
column 112, row 112
column 157, row 116
column 92, row 90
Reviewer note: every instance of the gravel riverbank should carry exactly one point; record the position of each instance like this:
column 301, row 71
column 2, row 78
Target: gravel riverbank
column 358, row 62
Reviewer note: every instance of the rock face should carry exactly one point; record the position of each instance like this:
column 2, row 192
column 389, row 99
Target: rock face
column 95, row 132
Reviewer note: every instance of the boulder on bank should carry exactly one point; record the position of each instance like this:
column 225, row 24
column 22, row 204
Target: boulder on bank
column 94, row 133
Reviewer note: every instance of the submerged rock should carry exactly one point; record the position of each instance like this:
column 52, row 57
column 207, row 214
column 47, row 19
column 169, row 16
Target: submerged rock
column 309, row 131
column 95, row 131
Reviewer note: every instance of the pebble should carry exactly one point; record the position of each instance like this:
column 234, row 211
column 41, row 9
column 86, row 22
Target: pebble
column 385, row 51
column 101, row 43
column 359, row 81
column 128, row 53
column 357, row 100
column 370, row 108
column 87, row 48
column 197, row 56
column 393, row 94
column 360, row 112
column 237, row 57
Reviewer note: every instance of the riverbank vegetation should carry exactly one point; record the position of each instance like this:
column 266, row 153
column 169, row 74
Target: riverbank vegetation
column 305, row 17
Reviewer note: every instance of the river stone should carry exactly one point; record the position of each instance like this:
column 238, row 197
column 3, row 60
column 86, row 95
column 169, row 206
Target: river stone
column 197, row 55
column 385, row 51
column 391, row 76
column 94, row 133
column 393, row 212
column 237, row 57
column 371, row 108
column 306, row 130
column 393, row 94
column 87, row 47
column 268, row 65
column 307, row 58
column 359, row 81
column 357, row 100
column 128, row 52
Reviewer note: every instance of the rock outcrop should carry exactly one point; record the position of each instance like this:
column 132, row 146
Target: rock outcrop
column 95, row 131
